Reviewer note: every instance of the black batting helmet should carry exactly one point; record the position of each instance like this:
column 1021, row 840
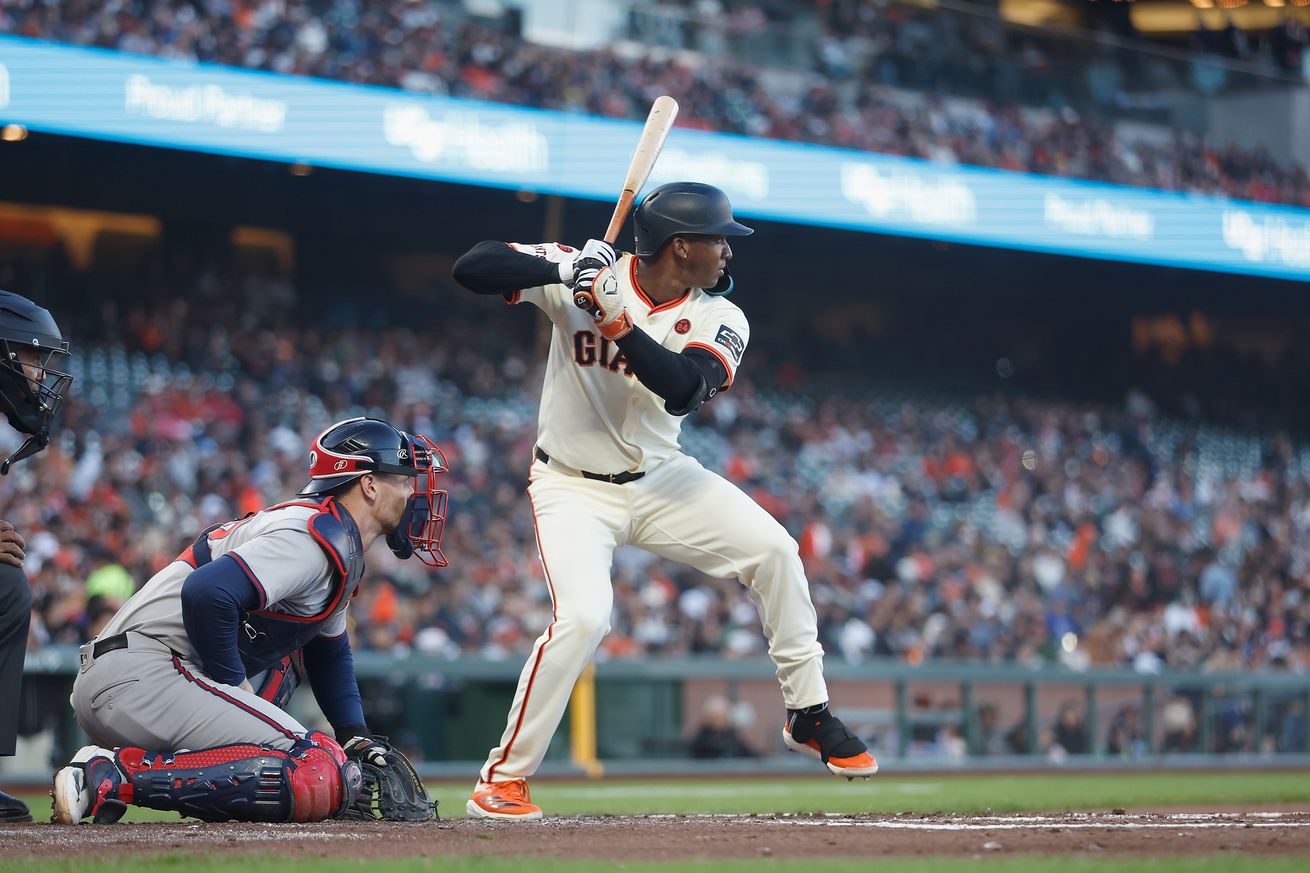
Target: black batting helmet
column 30, row 404
column 683, row 207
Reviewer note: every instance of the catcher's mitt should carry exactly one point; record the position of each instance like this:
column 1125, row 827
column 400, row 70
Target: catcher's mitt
column 393, row 792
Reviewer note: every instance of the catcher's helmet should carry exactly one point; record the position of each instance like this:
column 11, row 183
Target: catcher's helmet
column 30, row 405
column 351, row 448
column 683, row 207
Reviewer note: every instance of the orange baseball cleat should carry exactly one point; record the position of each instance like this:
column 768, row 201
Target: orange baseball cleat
column 507, row 801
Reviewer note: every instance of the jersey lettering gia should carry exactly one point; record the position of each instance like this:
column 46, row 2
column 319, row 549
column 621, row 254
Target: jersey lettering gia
column 595, row 415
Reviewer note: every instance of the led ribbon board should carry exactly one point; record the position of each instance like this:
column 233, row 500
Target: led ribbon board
column 128, row 98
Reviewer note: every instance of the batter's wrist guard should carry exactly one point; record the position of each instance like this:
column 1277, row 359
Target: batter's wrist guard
column 620, row 327
column 566, row 272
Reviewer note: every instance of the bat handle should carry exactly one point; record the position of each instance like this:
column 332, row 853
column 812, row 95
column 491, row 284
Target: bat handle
column 584, row 300
column 621, row 210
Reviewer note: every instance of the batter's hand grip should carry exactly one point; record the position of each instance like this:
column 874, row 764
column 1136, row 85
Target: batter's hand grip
column 584, row 300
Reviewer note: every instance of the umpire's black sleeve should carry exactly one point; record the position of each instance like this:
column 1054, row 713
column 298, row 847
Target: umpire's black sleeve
column 685, row 380
column 15, row 614
column 492, row 267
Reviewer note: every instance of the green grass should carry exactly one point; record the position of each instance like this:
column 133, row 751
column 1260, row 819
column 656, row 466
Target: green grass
column 946, row 793
column 1020, row 864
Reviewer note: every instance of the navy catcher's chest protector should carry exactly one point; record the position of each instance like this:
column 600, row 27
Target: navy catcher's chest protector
column 267, row 636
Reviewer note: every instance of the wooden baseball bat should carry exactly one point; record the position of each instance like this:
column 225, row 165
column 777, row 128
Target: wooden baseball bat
column 658, row 124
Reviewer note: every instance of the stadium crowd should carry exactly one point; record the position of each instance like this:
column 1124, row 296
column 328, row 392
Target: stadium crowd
column 885, row 77
column 987, row 528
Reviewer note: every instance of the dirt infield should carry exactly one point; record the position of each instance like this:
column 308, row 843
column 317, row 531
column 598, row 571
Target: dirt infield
column 671, row 837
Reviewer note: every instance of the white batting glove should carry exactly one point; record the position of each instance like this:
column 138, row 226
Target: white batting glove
column 586, row 263
column 365, row 749
column 603, row 301
column 601, row 251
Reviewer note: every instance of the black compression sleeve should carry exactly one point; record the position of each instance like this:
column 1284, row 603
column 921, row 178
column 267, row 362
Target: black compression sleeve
column 492, row 267
column 683, row 380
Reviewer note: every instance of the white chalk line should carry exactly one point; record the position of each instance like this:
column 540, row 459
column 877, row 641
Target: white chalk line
column 32, row 836
column 1071, row 821
column 1050, row 826
column 613, row 792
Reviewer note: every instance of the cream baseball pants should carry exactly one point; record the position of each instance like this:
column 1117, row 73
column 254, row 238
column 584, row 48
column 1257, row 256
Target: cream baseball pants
column 679, row 511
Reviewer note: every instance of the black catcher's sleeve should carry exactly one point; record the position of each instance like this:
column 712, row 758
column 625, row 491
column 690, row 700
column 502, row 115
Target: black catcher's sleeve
column 685, row 380
column 492, row 267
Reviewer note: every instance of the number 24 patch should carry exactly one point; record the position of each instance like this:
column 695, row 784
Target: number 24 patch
column 732, row 341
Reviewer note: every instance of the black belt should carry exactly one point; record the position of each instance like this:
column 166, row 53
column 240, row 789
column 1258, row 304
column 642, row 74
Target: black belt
column 109, row 644
column 612, row 478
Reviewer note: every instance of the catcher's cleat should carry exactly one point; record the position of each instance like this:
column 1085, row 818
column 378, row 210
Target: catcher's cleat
column 88, row 786
column 822, row 735
column 507, row 801
column 13, row 810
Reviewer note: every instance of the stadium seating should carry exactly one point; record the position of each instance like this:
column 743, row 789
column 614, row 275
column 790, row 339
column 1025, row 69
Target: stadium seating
column 932, row 525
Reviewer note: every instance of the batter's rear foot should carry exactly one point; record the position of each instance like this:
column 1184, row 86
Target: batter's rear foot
column 88, row 786
column 822, row 735
column 505, row 801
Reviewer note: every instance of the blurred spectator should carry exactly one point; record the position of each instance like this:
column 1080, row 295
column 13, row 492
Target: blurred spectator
column 1070, row 732
column 1218, row 583
column 1017, row 740
column 1178, row 721
column 717, row 736
column 1290, row 724
column 110, row 580
column 951, row 742
column 989, row 740
column 99, row 610
column 1124, row 738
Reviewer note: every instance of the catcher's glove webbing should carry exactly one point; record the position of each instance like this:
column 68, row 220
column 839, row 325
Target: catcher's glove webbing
column 393, row 792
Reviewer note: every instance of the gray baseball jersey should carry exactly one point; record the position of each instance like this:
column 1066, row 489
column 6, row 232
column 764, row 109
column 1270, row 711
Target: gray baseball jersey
column 274, row 547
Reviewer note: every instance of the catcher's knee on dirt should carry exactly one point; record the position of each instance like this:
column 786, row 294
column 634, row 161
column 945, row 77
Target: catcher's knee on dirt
column 245, row 782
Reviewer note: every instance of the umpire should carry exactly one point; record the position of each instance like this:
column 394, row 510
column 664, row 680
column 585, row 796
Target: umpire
column 31, row 390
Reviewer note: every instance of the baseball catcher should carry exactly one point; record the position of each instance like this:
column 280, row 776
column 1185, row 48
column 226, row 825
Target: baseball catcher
column 165, row 692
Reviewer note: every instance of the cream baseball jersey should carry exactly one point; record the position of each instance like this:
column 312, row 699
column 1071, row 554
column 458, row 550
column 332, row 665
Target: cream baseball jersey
column 595, row 414
column 279, row 555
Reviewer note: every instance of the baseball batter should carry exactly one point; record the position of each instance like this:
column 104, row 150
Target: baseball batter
column 165, row 690
column 660, row 340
